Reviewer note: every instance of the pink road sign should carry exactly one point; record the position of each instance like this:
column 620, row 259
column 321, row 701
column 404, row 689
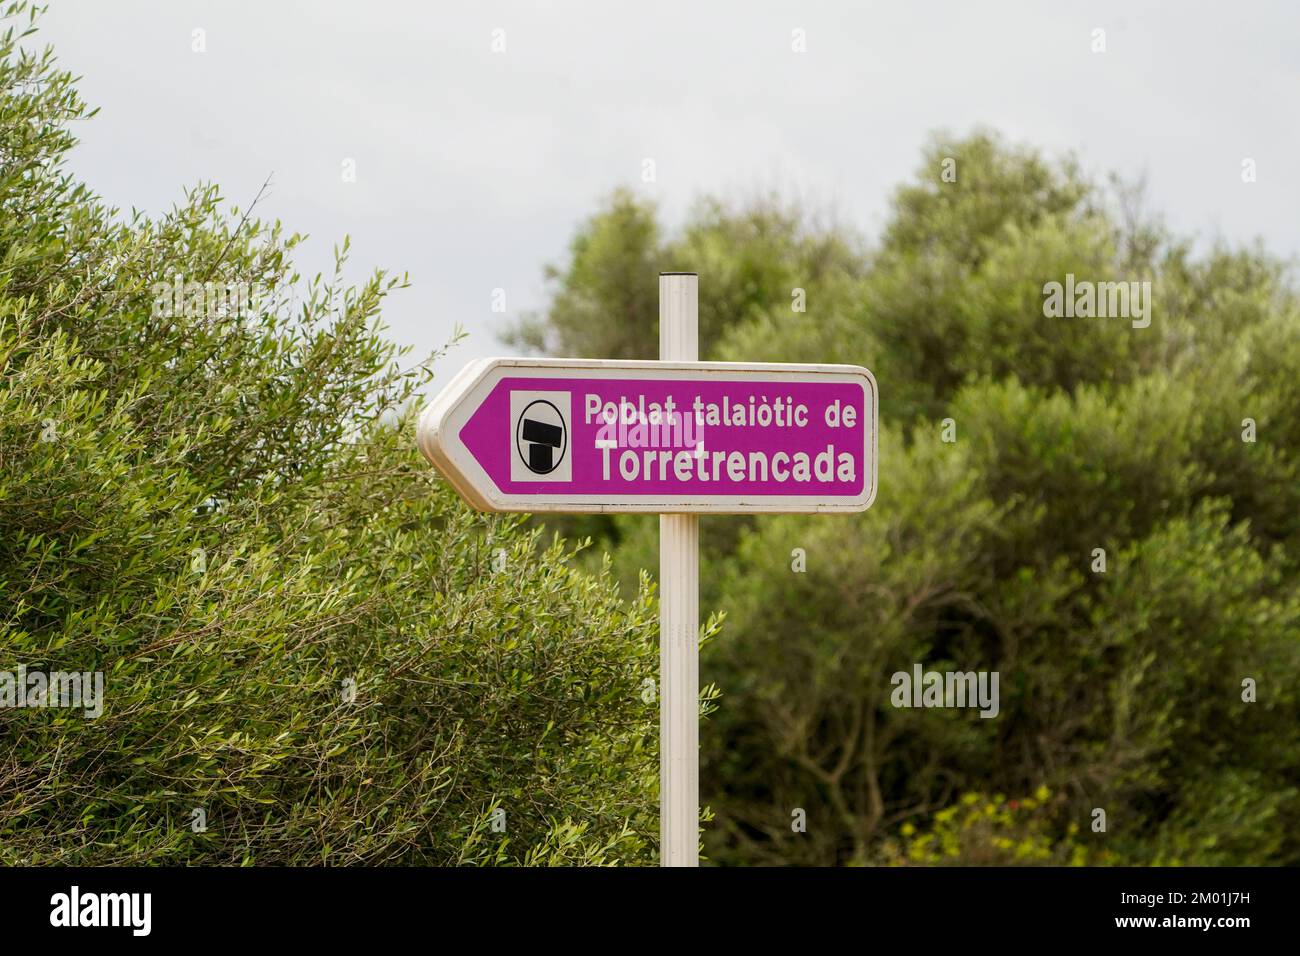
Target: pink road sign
column 601, row 436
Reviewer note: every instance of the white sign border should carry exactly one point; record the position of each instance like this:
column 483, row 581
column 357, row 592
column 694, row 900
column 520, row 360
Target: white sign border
column 440, row 424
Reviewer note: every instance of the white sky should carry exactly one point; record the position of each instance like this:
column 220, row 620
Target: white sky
column 474, row 168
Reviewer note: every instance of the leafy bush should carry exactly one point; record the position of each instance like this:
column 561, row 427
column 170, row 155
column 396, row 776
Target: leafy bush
column 305, row 636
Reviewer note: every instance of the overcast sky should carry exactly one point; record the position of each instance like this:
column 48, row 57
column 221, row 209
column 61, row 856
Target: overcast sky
column 473, row 168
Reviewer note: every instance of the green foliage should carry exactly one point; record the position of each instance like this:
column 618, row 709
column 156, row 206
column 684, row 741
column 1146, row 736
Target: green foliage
column 980, row 830
column 605, row 302
column 304, row 633
column 1120, row 690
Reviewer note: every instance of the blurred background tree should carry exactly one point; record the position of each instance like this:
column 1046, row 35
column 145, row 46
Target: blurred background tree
column 1120, row 690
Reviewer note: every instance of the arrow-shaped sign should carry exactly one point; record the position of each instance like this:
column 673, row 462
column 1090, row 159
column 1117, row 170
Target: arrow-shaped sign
column 523, row 434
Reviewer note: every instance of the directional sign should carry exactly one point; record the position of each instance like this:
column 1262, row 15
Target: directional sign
column 522, row 434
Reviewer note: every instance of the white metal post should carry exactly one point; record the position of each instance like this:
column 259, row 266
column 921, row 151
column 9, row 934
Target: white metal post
column 679, row 614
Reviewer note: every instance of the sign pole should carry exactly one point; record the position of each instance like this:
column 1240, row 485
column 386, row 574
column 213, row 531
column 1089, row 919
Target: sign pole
column 679, row 615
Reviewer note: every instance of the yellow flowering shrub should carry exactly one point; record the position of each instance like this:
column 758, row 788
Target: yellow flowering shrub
column 983, row 830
